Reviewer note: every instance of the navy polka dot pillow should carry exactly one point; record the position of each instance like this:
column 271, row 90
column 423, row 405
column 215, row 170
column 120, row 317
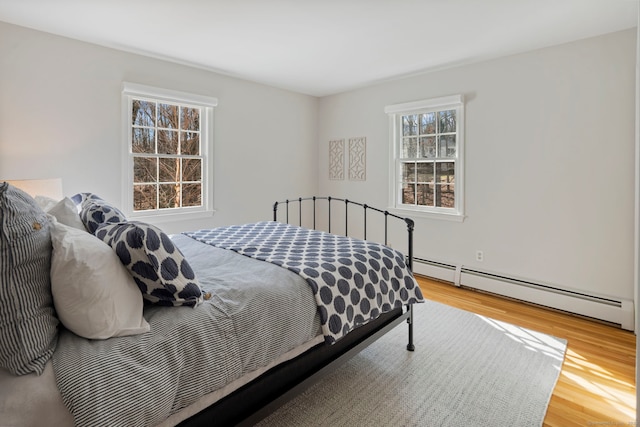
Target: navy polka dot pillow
column 158, row 267
column 81, row 197
column 94, row 211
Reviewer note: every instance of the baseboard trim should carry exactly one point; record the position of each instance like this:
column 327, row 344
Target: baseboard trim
column 612, row 310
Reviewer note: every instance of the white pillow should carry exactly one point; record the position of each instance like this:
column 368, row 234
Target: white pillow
column 66, row 213
column 93, row 293
column 64, row 210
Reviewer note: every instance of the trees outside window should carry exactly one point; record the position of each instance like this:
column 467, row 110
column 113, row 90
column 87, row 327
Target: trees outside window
column 168, row 146
column 427, row 147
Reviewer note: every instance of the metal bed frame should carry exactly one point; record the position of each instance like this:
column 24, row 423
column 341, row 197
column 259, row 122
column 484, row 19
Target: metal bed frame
column 365, row 209
column 262, row 396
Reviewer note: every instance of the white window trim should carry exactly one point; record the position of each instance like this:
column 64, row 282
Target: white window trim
column 131, row 90
column 395, row 112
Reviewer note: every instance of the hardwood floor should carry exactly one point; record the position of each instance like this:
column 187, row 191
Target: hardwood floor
column 597, row 382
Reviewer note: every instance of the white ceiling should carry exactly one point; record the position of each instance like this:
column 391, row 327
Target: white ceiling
column 321, row 47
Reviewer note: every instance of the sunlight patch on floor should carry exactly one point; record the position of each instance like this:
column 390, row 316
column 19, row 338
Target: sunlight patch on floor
column 532, row 340
column 612, row 391
column 578, row 362
column 623, row 401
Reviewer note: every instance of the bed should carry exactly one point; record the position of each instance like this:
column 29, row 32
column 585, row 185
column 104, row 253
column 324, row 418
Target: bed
column 215, row 327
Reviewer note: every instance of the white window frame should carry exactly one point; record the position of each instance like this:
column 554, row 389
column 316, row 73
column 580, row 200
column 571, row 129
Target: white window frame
column 207, row 105
column 395, row 113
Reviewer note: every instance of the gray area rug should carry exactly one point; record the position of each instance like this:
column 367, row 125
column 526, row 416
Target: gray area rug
column 467, row 370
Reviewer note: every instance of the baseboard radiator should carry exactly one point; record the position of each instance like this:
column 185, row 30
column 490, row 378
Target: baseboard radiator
column 613, row 310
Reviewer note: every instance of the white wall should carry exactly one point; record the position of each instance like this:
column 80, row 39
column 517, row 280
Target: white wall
column 549, row 146
column 549, row 162
column 60, row 117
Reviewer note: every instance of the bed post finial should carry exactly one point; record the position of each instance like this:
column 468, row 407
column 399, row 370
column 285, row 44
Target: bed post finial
column 410, row 227
column 275, row 211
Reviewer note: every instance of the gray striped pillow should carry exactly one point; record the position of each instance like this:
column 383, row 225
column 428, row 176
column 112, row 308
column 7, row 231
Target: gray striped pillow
column 28, row 323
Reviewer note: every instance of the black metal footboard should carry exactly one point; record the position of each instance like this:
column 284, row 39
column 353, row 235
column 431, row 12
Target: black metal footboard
column 252, row 402
column 315, row 202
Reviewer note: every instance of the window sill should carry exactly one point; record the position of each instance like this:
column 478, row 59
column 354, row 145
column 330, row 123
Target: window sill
column 414, row 213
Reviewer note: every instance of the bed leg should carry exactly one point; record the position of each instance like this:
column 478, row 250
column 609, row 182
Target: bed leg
column 410, row 345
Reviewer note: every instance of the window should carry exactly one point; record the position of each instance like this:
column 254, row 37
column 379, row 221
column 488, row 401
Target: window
column 427, row 156
column 168, row 139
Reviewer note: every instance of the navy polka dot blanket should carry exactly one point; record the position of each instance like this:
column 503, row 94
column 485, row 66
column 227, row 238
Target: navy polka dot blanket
column 353, row 280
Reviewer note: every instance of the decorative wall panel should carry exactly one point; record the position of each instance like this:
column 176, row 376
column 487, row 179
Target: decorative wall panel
column 336, row 159
column 358, row 159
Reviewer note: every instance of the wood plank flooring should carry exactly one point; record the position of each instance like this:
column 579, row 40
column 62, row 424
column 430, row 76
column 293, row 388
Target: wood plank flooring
column 597, row 382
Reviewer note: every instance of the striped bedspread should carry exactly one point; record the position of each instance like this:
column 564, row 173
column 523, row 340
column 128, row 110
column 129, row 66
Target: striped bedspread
column 353, row 280
column 189, row 352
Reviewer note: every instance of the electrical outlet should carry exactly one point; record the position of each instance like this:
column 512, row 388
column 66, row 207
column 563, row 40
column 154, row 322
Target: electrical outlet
column 479, row 256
